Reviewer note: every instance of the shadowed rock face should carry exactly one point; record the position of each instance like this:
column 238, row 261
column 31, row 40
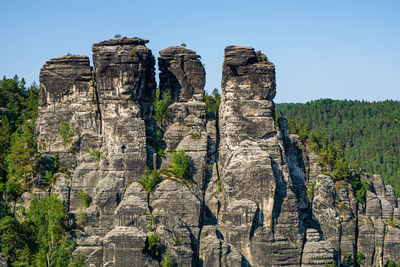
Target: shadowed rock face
column 245, row 203
column 182, row 74
column 124, row 68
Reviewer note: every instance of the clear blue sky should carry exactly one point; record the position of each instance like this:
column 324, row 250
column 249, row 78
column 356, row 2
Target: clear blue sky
column 321, row 49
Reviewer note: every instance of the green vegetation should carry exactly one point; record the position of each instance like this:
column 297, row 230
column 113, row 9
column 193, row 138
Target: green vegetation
column 183, row 44
column 117, row 35
column 310, row 191
column 41, row 238
column 195, row 136
column 81, row 219
column 152, row 246
column 18, row 148
column 330, row 265
column 134, row 52
column 160, row 106
column 66, row 133
column 95, row 153
column 84, row 198
column 219, row 185
column 391, row 264
column 212, row 102
column 367, row 132
column 330, row 155
column 158, row 143
column 348, row 259
column 264, row 58
column 150, row 179
column 180, row 164
column 166, row 260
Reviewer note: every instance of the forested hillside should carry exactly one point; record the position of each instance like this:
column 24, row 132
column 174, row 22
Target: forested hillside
column 38, row 236
column 367, row 131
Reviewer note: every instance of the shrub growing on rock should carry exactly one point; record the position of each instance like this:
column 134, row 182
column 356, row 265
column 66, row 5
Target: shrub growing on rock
column 180, row 164
column 160, row 106
column 149, row 180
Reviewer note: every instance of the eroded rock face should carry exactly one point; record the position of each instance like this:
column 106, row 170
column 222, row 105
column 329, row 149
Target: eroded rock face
column 182, row 75
column 247, row 201
column 263, row 205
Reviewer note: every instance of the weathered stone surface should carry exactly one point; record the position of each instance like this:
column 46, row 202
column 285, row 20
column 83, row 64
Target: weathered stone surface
column 182, row 75
column 262, row 197
column 316, row 251
column 177, row 209
column 123, row 246
column 254, row 197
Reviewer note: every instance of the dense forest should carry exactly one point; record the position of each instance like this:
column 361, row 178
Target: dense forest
column 37, row 236
column 367, row 132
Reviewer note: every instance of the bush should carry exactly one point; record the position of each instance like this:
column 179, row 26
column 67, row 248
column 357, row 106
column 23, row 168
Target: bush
column 134, row 52
column 219, row 184
column 66, row 133
column 85, row 198
column 212, row 101
column 180, row 164
column 166, row 261
column 310, row 191
column 153, row 247
column 360, row 193
column 158, row 143
column 81, row 219
column 160, row 106
column 149, row 180
column 95, row 153
column 117, row 35
column 183, row 44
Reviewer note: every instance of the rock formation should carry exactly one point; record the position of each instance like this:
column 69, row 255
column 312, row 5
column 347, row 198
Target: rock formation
column 245, row 202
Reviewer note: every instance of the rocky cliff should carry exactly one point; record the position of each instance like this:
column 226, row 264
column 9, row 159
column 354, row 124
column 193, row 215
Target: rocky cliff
column 245, row 201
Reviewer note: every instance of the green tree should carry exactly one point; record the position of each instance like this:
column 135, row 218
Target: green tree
column 160, row 106
column 21, row 159
column 212, row 101
column 5, row 138
column 180, row 164
column 48, row 217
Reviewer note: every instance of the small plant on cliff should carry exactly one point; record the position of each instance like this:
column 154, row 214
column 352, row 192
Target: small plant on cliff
column 391, row 264
column 158, row 143
column 264, row 58
column 219, row 185
column 183, row 44
column 149, row 180
column 95, row 153
column 152, row 246
column 134, row 52
column 310, row 191
column 81, row 219
column 160, row 106
column 84, row 198
column 166, row 260
column 66, row 133
column 180, row 164
column 117, row 35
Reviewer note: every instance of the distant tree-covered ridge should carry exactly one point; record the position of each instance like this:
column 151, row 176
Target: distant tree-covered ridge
column 368, row 132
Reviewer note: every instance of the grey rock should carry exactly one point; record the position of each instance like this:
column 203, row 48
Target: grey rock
column 182, row 75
